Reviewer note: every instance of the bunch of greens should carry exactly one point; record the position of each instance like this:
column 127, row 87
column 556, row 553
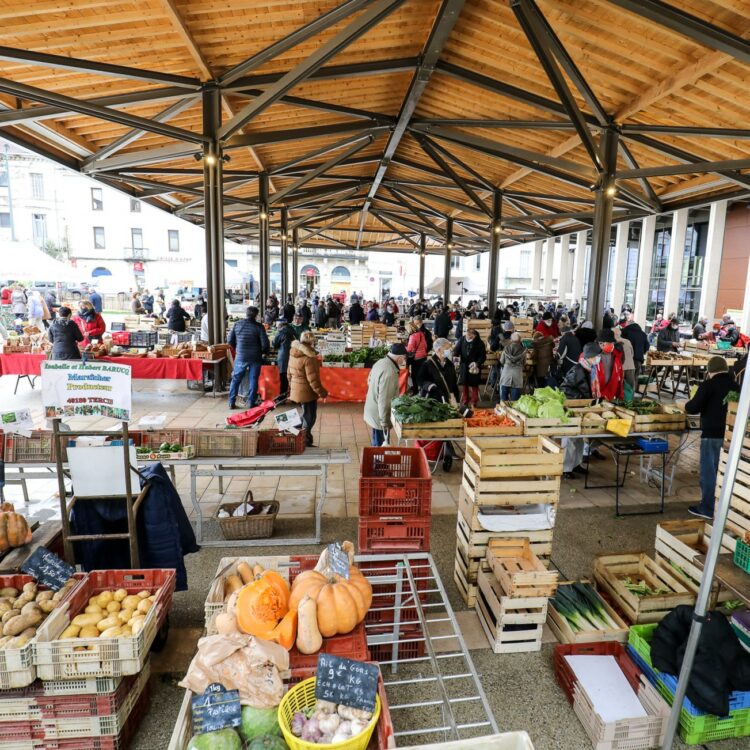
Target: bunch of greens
column 644, row 406
column 582, row 607
column 731, row 397
column 641, row 588
column 358, row 357
column 545, row 403
column 415, row 409
column 334, row 357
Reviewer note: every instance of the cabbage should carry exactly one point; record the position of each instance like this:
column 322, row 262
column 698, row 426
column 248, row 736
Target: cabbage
column 549, row 394
column 257, row 722
column 223, row 739
column 545, row 403
column 552, row 410
column 527, row 405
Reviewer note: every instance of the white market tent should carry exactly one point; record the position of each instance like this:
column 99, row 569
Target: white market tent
column 24, row 262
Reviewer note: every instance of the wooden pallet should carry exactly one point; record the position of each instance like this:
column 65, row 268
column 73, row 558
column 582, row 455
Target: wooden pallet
column 519, row 570
column 450, row 428
column 610, row 570
column 497, row 612
column 565, row 634
column 549, row 427
column 467, row 589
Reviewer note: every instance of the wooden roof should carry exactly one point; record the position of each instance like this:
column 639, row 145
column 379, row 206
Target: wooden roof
column 414, row 113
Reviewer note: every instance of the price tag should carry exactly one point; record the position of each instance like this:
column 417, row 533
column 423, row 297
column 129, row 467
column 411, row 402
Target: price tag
column 338, row 560
column 48, row 568
column 218, row 708
column 351, row 683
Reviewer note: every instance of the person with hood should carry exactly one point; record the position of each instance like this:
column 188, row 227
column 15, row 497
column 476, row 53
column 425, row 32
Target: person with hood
column 288, row 312
column 729, row 331
column 304, row 377
column 65, row 336
column 356, row 313
column 177, row 317
column 512, row 361
column 608, row 381
column 250, row 341
column 472, row 353
column 282, row 342
column 547, row 326
column 628, row 363
column 417, row 348
column 639, row 340
column 96, row 300
column 500, row 335
column 372, row 313
column 305, row 313
column 382, row 387
column 443, row 323
column 708, row 401
column 92, row 324
column 568, row 349
column 321, row 318
column 668, row 339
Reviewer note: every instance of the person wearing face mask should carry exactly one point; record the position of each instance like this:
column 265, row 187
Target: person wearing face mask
column 389, row 317
column 609, row 376
column 382, row 387
column 512, row 360
column 437, row 377
column 471, row 351
column 668, row 339
column 90, row 322
column 547, row 326
column 628, row 363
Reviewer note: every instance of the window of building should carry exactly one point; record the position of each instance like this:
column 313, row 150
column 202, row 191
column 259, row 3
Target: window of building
column 631, row 271
column 524, row 266
column 99, row 238
column 4, row 219
column 456, row 261
column 97, row 199
column 658, row 281
column 136, row 239
column 478, row 262
column 691, row 279
column 174, row 240
column 135, row 206
column 4, row 175
column 39, row 229
column 37, row 185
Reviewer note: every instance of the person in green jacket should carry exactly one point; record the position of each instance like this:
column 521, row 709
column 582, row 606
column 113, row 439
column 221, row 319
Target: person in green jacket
column 299, row 325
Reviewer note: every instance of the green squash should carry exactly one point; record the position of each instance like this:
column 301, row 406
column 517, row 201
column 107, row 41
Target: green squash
column 259, row 722
column 268, row 742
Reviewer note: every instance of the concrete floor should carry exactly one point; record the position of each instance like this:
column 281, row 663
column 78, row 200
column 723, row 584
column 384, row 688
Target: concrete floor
column 521, row 688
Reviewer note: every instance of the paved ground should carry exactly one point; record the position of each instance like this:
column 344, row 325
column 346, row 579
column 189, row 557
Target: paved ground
column 521, row 688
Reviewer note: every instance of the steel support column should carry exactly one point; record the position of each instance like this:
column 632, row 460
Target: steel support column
column 448, row 254
column 602, row 229
column 213, row 214
column 264, row 241
column 497, row 217
column 284, row 255
column 295, row 263
column 422, row 258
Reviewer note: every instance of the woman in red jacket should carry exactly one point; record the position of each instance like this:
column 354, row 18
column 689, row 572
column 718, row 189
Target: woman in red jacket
column 547, row 326
column 92, row 324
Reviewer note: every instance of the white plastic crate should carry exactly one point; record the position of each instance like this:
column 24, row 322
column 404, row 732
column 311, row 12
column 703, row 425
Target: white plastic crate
column 60, row 688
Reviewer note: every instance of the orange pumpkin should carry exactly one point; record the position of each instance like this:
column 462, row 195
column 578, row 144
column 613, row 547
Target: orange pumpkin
column 261, row 604
column 14, row 529
column 341, row 604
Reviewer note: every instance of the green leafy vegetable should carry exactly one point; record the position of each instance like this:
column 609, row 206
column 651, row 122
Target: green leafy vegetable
column 415, row 409
column 731, row 397
column 582, row 607
column 545, row 403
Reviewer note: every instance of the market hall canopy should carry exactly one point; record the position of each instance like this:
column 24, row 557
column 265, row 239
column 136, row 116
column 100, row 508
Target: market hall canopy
column 430, row 125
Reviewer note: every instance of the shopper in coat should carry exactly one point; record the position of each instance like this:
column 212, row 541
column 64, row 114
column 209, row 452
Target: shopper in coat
column 136, row 306
column 512, row 361
column 65, row 336
column 36, row 309
column 472, row 353
column 443, row 323
column 417, row 348
column 321, row 318
column 437, row 377
column 577, row 383
column 92, row 324
column 547, row 326
column 18, row 302
column 356, row 313
column 708, row 401
column 609, row 376
column 638, row 339
column 628, row 362
column 544, row 353
column 250, row 341
column 306, row 386
column 568, row 350
column 382, row 387
column 668, row 339
column 271, row 313
column 95, row 299
column 177, row 317
column 288, row 312
column 283, row 344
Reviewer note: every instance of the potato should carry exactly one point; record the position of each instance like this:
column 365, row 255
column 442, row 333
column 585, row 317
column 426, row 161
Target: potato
column 107, row 622
column 17, row 625
column 113, row 607
column 47, row 605
column 90, row 618
column 130, row 602
column 124, row 615
column 71, row 631
column 5, row 606
column 94, row 600
column 144, row 594
column 4, row 640
column 31, row 607
column 119, row 595
column 10, row 615
column 104, row 598
column 9, row 591
column 25, row 598
column 30, row 588
column 44, row 595
column 93, row 609
column 137, row 625
column 21, row 640
column 113, row 632
column 145, row 606
column 89, row 631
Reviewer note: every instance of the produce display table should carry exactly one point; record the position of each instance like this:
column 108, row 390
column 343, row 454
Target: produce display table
column 342, row 383
column 729, row 575
column 142, row 368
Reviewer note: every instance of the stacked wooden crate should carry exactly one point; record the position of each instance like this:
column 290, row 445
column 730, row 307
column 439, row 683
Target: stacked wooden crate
column 738, row 521
column 502, row 473
column 524, row 326
column 514, row 589
column 482, row 327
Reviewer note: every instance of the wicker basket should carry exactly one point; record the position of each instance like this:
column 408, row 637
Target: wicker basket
column 259, row 526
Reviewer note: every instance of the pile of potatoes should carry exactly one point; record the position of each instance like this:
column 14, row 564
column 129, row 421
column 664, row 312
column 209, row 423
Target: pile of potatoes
column 112, row 614
column 24, row 611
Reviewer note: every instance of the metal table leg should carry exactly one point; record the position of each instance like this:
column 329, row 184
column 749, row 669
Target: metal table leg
column 196, row 504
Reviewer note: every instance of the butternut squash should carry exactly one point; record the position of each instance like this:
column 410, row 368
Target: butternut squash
column 309, row 639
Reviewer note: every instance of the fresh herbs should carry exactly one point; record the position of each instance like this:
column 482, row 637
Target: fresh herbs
column 415, row 409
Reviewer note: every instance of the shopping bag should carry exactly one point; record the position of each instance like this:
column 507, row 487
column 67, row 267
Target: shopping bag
column 619, row 427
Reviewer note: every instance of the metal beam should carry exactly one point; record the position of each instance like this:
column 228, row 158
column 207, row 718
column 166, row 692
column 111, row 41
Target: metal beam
column 312, row 194
column 401, row 161
column 331, row 203
column 685, row 130
column 338, row 220
column 285, row 169
column 361, row 25
column 162, row 187
column 502, row 124
column 295, row 262
column 441, row 28
column 495, row 229
column 651, row 198
column 264, row 243
column 481, row 180
column 148, row 156
column 690, row 168
column 540, row 42
column 455, row 205
column 393, row 227
column 694, row 28
column 447, row 266
column 98, row 67
column 321, row 23
column 284, row 248
column 422, row 255
column 339, row 109
column 298, row 134
column 401, row 198
column 84, row 107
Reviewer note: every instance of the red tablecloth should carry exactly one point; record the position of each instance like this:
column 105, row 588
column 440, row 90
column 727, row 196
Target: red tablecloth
column 142, row 368
column 342, row 383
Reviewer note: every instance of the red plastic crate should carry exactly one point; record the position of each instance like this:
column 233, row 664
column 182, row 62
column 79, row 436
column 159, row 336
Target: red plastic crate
column 382, row 609
column 564, row 673
column 395, row 481
column 39, row 447
column 278, row 443
column 154, row 438
column 351, row 646
column 121, row 338
column 410, row 643
column 394, row 534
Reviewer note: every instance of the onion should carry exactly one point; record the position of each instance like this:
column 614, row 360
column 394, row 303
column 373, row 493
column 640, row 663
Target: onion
column 298, row 723
column 329, row 724
column 311, row 731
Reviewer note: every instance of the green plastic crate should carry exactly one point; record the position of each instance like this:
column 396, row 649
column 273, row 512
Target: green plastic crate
column 742, row 556
column 639, row 637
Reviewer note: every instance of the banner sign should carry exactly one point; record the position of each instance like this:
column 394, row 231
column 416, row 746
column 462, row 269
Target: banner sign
column 74, row 389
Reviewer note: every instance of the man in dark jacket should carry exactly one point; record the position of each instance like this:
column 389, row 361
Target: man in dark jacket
column 305, row 312
column 577, row 382
column 288, row 312
column 631, row 331
column 250, row 341
column 64, row 335
column 708, row 401
column 568, row 351
column 729, row 331
column 177, row 317
column 321, row 318
column 283, row 345
column 356, row 313
column 500, row 335
column 95, row 299
column 443, row 323
column 668, row 339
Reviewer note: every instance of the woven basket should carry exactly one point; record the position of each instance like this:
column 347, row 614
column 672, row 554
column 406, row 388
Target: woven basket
column 259, row 526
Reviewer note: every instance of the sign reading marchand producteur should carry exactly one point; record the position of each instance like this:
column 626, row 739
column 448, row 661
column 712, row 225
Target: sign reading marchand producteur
column 71, row 389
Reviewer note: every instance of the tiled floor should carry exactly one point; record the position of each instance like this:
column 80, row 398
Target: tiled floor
column 339, row 426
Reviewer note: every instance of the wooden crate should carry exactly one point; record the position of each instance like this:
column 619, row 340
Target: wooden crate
column 565, row 634
column 523, row 325
column 677, row 545
column 519, row 570
column 657, row 359
column 450, row 428
column 738, row 520
column 661, row 421
column 467, row 589
column 512, row 625
column 494, row 431
column 502, row 457
column 549, row 427
column 611, row 569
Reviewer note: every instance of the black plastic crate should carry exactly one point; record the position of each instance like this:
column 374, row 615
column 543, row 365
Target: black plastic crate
column 143, row 338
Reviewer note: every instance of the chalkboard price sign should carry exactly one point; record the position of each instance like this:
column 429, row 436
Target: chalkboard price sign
column 338, row 560
column 351, row 683
column 218, row 708
column 48, row 568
